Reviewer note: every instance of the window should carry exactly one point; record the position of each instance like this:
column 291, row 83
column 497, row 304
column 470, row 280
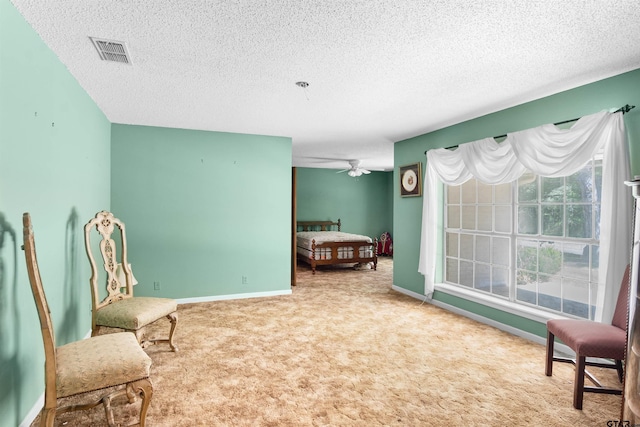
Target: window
column 534, row 241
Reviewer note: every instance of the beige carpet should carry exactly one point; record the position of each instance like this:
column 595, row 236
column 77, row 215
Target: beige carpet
column 346, row 350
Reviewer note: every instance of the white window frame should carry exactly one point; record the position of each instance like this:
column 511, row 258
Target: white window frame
column 510, row 304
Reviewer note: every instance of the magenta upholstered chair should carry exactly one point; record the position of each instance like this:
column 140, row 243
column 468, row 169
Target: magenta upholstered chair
column 594, row 340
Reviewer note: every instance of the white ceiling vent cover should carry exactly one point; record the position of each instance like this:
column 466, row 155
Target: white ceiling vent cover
column 111, row 50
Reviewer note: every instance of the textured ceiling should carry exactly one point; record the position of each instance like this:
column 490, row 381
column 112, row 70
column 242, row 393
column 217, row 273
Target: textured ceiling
column 378, row 71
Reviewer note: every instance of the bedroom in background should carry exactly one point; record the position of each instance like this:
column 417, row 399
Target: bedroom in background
column 363, row 204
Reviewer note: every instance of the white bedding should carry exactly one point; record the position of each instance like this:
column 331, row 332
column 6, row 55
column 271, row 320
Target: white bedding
column 305, row 238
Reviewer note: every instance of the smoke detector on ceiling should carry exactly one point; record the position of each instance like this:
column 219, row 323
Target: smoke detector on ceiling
column 111, row 50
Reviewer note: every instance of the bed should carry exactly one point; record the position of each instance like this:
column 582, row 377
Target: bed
column 322, row 243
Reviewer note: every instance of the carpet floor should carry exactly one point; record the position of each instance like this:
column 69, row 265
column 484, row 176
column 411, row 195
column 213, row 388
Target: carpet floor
column 346, row 350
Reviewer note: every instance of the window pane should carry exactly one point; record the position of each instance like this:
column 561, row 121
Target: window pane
column 549, row 258
column 575, row 260
column 483, row 277
column 453, row 217
column 466, row 246
column 500, row 251
column 597, row 197
column 527, row 255
column 500, row 285
column 485, row 218
column 469, row 217
column 527, row 287
column 528, row 220
column 575, row 298
column 552, row 189
column 580, row 186
column 595, row 263
column 452, row 244
column 579, row 221
column 451, row 273
column 469, row 191
column 483, row 249
column 596, row 221
column 552, row 220
column 502, row 193
column 503, row 219
column 453, row 194
column 485, row 193
column 549, row 290
column 593, row 287
column 527, row 188
column 466, row 273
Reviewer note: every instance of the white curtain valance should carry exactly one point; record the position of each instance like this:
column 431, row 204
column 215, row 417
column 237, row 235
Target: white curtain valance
column 546, row 151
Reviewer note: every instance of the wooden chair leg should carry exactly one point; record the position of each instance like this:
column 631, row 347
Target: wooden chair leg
column 144, row 343
column 578, row 390
column 548, row 367
column 145, row 389
column 173, row 318
column 620, row 370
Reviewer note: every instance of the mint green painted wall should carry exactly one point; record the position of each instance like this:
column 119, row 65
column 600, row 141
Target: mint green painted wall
column 54, row 163
column 609, row 93
column 203, row 209
column 364, row 204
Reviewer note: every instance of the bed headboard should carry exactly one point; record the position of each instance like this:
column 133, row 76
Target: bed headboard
column 317, row 225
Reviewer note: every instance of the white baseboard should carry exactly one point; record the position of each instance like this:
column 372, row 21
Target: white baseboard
column 33, row 412
column 233, row 296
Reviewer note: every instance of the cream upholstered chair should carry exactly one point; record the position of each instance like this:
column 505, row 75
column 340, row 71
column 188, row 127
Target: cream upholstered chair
column 120, row 309
column 83, row 366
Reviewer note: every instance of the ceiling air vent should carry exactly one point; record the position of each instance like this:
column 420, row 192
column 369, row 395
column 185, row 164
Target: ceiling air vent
column 111, row 50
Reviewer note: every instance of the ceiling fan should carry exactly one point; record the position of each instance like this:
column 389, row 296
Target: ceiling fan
column 355, row 169
column 334, row 163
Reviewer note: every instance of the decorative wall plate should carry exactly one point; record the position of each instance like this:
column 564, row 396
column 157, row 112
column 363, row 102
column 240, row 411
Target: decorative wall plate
column 410, row 180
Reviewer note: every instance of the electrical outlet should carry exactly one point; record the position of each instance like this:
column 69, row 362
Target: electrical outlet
column 244, row 280
column 156, row 286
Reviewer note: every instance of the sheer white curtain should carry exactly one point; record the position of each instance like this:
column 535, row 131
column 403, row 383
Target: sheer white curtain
column 545, row 151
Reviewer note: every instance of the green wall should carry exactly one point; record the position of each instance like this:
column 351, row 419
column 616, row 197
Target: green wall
column 193, row 203
column 203, row 209
column 609, row 93
column 364, row 204
column 54, row 163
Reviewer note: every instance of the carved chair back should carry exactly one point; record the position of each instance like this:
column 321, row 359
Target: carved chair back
column 106, row 224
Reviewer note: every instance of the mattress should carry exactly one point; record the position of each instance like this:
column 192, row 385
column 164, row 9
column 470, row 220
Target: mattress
column 305, row 239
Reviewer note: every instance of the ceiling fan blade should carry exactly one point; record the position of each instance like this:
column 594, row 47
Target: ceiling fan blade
column 365, row 171
column 344, row 170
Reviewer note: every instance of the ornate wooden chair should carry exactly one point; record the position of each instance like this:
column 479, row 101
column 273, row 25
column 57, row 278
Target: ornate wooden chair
column 594, row 340
column 88, row 365
column 120, row 309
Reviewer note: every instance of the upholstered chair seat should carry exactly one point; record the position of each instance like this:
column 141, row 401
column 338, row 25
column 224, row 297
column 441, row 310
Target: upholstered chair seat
column 135, row 313
column 100, row 362
column 592, row 338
